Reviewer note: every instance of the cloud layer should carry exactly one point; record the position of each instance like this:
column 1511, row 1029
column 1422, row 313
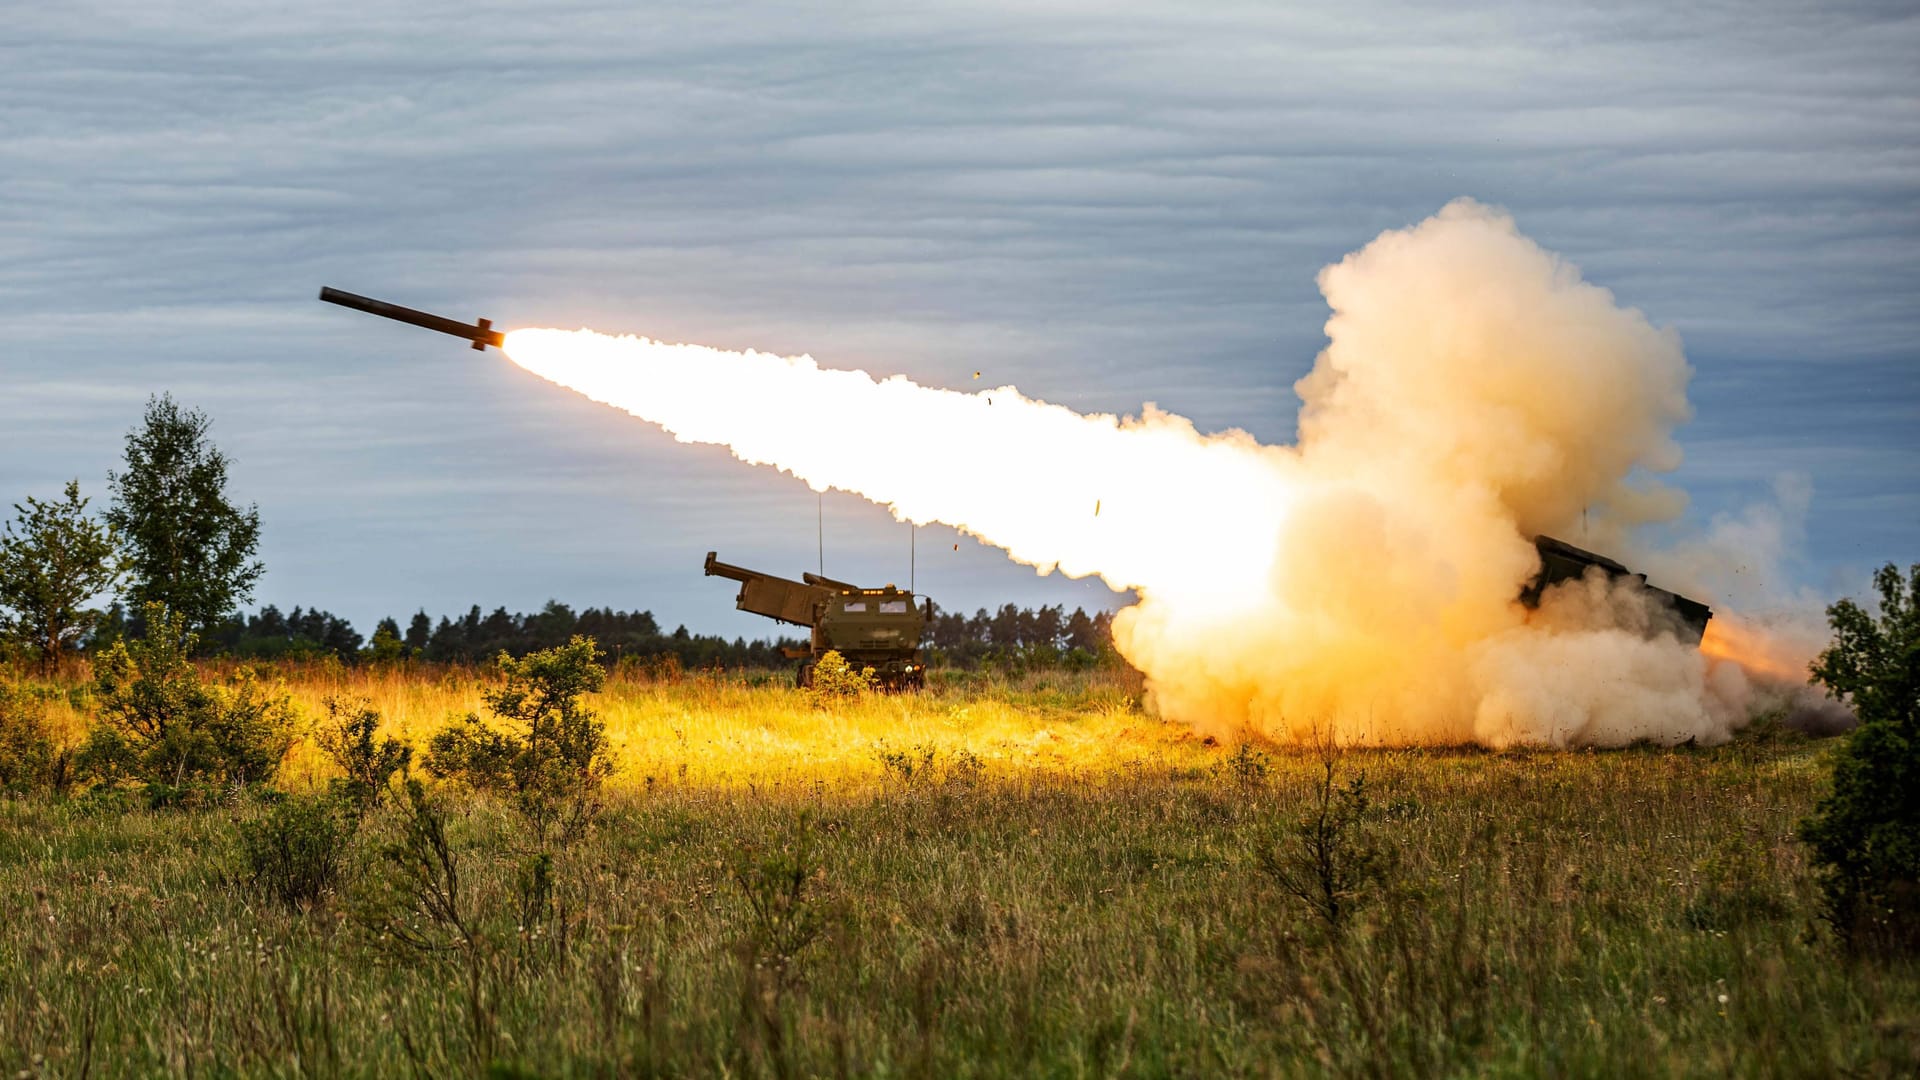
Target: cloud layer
column 1106, row 207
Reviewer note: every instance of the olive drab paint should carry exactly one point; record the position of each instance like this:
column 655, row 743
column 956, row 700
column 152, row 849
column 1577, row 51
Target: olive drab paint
column 877, row 628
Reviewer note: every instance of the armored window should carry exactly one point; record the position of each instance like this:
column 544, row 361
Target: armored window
column 854, row 607
column 893, row 607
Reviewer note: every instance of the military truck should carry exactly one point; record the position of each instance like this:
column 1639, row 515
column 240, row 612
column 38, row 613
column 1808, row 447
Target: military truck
column 1561, row 561
column 877, row 628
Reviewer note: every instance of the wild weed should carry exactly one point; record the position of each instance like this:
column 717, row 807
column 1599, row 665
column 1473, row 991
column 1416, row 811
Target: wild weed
column 909, row 767
column 420, row 908
column 1246, row 769
column 784, row 917
column 1326, row 859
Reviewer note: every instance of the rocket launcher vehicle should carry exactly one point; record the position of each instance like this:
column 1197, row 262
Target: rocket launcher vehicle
column 871, row 628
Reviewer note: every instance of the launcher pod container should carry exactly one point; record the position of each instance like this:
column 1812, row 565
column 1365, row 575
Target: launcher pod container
column 1561, row 561
column 876, row 628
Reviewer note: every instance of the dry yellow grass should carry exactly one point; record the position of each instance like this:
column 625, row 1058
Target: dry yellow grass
column 735, row 731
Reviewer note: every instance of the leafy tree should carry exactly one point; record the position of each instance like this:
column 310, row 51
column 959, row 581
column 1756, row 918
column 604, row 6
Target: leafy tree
column 1865, row 835
column 305, row 633
column 385, row 648
column 52, row 561
column 190, row 548
column 419, row 632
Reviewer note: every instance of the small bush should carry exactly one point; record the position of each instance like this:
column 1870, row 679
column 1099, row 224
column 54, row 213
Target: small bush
column 1246, row 769
column 369, row 765
column 921, row 766
column 160, row 724
column 909, row 766
column 836, row 680
column 297, row 852
column 1326, row 859
column 964, row 769
column 30, row 761
column 779, row 884
column 1865, row 835
column 784, row 917
column 419, row 903
column 552, row 757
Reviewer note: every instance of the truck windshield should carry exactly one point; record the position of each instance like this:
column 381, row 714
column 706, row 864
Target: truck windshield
column 893, row 607
column 854, row 607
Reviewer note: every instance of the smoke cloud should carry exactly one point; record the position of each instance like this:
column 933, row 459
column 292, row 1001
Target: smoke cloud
column 1359, row 586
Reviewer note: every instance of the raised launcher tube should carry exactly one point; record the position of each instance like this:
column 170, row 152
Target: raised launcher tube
column 1561, row 561
column 775, row 597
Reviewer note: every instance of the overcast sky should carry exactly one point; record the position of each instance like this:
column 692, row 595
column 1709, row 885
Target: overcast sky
column 1104, row 204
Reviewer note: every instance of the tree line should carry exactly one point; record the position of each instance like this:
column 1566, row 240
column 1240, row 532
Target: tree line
column 1033, row 636
column 476, row 638
column 173, row 540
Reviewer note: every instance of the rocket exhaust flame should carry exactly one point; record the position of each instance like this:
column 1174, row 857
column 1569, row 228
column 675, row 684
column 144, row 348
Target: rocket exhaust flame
column 1474, row 392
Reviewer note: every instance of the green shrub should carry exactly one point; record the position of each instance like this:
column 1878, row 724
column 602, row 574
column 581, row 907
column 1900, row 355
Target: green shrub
column 160, row 724
column 297, row 852
column 834, row 678
column 417, row 904
column 552, row 756
column 780, row 886
column 906, row 766
column 370, row 765
column 1865, row 835
column 1327, row 859
column 784, row 917
column 30, row 761
column 1246, row 769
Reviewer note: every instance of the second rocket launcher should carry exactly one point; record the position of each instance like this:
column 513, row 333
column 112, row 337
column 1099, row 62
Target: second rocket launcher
column 481, row 333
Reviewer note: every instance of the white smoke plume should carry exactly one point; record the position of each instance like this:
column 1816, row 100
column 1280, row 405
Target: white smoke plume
column 1474, row 392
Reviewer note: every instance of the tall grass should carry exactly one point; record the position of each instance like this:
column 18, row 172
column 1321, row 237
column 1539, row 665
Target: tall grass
column 1059, row 885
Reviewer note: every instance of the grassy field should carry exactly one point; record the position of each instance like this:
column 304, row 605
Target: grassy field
column 989, row 878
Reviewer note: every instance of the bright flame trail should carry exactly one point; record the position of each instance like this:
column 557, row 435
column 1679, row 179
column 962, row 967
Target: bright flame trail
column 1475, row 391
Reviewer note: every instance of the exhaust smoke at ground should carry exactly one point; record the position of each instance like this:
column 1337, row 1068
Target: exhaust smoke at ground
column 1359, row 586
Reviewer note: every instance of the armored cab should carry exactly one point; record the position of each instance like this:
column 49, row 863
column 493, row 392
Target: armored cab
column 1561, row 561
column 876, row 628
